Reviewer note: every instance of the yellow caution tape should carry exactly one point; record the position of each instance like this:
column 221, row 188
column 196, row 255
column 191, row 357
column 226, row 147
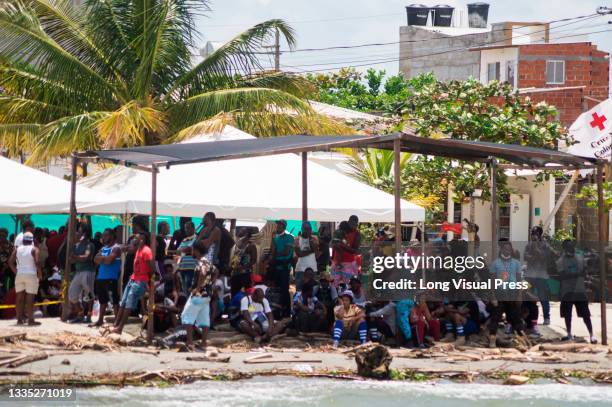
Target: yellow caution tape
column 35, row 304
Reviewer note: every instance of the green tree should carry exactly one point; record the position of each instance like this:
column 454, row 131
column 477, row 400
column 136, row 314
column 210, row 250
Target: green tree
column 354, row 90
column 470, row 110
column 114, row 73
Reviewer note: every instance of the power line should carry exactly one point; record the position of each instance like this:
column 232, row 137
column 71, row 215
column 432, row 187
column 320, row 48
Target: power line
column 377, row 62
column 393, row 54
column 420, row 56
column 377, row 44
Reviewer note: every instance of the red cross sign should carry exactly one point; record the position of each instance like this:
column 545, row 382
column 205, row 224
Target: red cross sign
column 598, row 121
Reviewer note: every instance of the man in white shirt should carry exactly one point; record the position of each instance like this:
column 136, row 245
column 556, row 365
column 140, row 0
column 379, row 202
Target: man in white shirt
column 257, row 319
column 27, row 227
column 25, row 265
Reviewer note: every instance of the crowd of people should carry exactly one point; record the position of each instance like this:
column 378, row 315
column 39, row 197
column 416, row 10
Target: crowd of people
column 204, row 277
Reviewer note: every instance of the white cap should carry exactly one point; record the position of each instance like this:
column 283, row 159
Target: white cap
column 55, row 277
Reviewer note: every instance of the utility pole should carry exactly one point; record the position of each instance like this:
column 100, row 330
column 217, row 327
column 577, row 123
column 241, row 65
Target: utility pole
column 277, row 51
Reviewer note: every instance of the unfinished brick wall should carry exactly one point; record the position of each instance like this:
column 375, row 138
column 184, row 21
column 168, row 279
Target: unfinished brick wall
column 569, row 103
column 585, row 67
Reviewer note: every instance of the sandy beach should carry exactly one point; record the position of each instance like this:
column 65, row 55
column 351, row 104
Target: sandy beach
column 89, row 354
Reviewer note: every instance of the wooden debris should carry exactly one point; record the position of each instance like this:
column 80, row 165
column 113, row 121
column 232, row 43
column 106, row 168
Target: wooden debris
column 10, row 337
column 24, row 359
column 144, row 350
column 258, row 357
column 273, row 360
column 204, row 358
column 565, row 347
column 516, row 380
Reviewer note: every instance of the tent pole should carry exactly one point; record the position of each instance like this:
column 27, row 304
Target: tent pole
column 397, row 193
column 153, row 250
column 69, row 238
column 124, row 239
column 601, row 215
column 304, row 186
column 494, row 234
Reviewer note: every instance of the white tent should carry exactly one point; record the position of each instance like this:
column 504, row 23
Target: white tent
column 250, row 189
column 27, row 190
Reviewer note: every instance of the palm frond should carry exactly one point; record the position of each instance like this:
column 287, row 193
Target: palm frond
column 287, row 82
column 25, row 43
column 23, row 110
column 240, row 56
column 206, row 105
column 63, row 136
column 131, row 125
column 18, row 137
column 66, row 25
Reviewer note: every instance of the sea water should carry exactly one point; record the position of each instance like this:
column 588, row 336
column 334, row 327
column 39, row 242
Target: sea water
column 300, row 392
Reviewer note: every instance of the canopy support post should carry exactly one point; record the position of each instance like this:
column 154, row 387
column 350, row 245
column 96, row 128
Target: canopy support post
column 151, row 303
column 397, row 193
column 69, row 238
column 494, row 211
column 601, row 215
column 304, row 186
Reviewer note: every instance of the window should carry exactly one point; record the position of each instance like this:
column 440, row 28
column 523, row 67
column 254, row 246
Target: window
column 493, row 71
column 555, row 72
column 511, row 72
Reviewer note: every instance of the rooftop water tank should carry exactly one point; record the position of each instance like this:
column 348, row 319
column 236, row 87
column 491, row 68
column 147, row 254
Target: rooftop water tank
column 442, row 15
column 478, row 15
column 417, row 14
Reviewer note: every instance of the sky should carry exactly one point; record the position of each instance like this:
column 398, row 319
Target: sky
column 324, row 23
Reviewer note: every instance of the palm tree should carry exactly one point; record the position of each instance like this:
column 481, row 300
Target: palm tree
column 375, row 167
column 116, row 73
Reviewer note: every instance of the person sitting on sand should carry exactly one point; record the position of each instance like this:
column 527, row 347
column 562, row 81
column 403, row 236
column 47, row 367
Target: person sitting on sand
column 327, row 294
column 257, row 319
column 197, row 310
column 144, row 264
column 382, row 321
column 309, row 315
column 422, row 322
column 359, row 298
column 349, row 319
column 26, row 267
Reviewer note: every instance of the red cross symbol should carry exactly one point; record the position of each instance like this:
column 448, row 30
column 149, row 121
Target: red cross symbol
column 598, row 121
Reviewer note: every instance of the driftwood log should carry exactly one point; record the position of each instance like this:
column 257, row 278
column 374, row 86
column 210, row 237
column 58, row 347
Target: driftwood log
column 373, row 361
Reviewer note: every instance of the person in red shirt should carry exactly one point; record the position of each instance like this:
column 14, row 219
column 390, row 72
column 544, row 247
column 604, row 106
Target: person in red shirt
column 346, row 253
column 144, row 264
column 53, row 246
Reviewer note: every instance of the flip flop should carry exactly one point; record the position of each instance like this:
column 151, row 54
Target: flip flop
column 33, row 323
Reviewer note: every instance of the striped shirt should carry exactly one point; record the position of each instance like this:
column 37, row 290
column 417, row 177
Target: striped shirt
column 187, row 261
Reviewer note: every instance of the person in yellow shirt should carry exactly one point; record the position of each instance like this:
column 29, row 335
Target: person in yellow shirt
column 349, row 318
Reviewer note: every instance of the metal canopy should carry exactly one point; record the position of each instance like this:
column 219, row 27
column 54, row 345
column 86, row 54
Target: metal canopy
column 481, row 151
column 175, row 154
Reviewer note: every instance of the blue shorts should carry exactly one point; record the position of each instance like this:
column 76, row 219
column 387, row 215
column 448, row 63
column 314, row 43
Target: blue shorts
column 132, row 294
column 197, row 312
column 471, row 327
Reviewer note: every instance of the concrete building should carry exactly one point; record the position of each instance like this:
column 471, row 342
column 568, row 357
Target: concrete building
column 571, row 76
column 555, row 66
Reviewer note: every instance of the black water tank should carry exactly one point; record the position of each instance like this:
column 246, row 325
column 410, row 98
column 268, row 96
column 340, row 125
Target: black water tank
column 442, row 15
column 417, row 14
column 478, row 15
